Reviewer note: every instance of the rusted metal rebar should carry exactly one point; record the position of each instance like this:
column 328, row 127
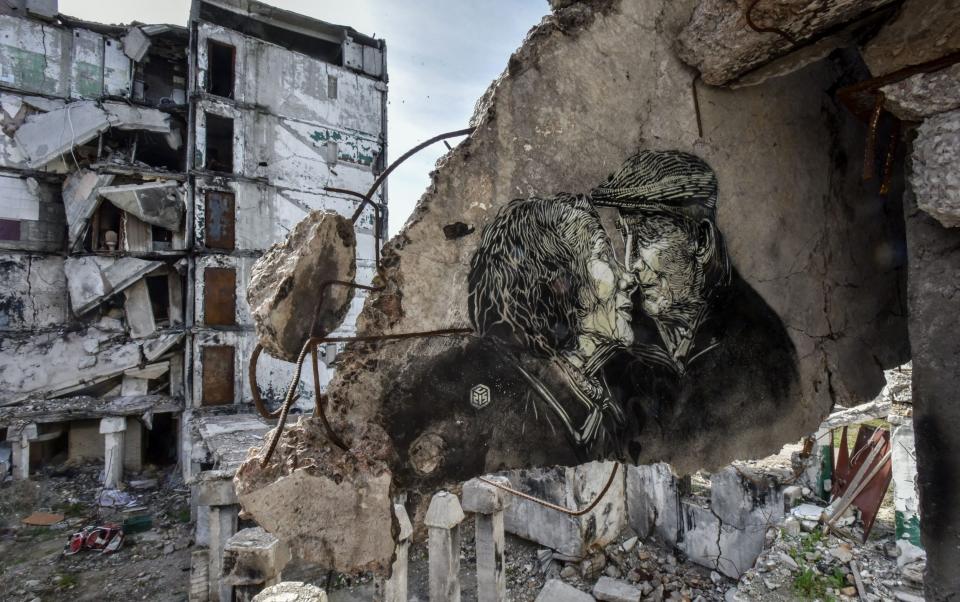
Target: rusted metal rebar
column 748, row 16
column 552, row 506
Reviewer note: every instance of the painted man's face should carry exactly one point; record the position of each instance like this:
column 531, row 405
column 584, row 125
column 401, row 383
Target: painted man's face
column 667, row 263
column 608, row 305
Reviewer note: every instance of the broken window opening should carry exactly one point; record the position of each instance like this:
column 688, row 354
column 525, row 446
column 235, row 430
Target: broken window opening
column 155, row 149
column 162, row 238
column 160, row 448
column 331, row 87
column 221, row 68
column 219, row 155
column 218, row 374
column 160, row 80
column 50, row 447
column 159, row 290
column 103, row 236
column 313, row 46
column 220, row 220
column 220, row 297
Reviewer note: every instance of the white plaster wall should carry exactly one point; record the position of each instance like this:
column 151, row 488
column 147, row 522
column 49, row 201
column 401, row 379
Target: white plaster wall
column 33, row 292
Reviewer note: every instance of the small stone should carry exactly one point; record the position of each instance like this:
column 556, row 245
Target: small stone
column 808, row 525
column 716, row 578
column 770, row 584
column 849, row 591
column 558, row 591
column 842, row 553
column 791, row 525
column 629, row 544
column 890, row 549
column 612, row 572
column 788, row 561
column 568, row 572
column 613, row 590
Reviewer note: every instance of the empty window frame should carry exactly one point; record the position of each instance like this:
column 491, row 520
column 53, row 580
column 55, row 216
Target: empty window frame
column 9, row 229
column 220, row 297
column 218, row 374
column 219, row 154
column 220, row 218
column 331, row 86
column 221, row 68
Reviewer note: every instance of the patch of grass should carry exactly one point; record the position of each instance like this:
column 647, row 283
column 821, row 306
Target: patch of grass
column 67, row 580
column 808, row 585
column 72, row 510
column 182, row 514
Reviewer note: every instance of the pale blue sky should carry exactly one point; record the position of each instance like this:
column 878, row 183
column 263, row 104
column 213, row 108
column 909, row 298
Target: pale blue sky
column 441, row 56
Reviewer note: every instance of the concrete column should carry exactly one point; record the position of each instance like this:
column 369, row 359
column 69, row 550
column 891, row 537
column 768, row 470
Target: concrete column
column 252, row 560
column 443, row 523
column 395, row 588
column 219, row 495
column 933, row 262
column 20, row 453
column 905, row 500
column 488, row 503
column 112, row 429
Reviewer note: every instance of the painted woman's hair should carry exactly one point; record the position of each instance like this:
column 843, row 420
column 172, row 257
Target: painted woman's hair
column 530, row 272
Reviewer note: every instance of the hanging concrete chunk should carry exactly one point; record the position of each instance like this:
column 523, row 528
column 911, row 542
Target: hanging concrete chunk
column 286, row 283
column 157, row 203
column 46, row 136
column 135, row 44
column 720, row 44
column 922, row 31
column 935, row 178
column 91, row 279
column 333, row 509
column 80, row 200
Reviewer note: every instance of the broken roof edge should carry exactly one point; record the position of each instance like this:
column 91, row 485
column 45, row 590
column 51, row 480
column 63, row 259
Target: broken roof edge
column 86, row 407
column 119, row 29
column 286, row 19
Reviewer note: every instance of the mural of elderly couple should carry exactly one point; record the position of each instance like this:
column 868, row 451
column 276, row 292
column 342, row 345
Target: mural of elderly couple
column 614, row 346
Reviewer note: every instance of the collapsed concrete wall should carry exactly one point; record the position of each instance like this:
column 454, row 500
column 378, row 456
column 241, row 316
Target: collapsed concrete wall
column 597, row 105
column 571, row 108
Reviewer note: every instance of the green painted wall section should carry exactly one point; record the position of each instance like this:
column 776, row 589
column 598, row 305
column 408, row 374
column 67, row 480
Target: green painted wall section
column 908, row 527
column 89, row 82
column 351, row 147
column 26, row 70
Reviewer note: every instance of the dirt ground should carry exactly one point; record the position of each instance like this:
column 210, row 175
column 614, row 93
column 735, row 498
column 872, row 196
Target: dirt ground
column 153, row 564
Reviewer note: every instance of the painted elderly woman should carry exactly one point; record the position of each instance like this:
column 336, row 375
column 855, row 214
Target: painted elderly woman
column 544, row 282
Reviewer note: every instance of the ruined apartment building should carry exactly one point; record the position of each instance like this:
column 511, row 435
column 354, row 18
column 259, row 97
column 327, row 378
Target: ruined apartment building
column 143, row 169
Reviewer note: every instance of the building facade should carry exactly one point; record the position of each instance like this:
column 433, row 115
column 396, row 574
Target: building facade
column 143, row 170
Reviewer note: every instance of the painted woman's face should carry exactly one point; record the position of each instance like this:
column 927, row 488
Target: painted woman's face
column 608, row 305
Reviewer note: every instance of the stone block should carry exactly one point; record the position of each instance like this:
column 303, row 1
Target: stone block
column 483, row 498
column 614, row 590
column 652, row 500
column 558, row 591
column 571, row 487
column 113, row 424
column 216, row 492
column 719, row 42
column 935, row 176
column 340, row 506
column 741, row 499
column 252, row 556
column 291, row 591
column 286, row 280
column 924, row 94
column 444, row 512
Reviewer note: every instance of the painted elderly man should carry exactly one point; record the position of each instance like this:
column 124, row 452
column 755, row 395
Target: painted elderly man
column 702, row 337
